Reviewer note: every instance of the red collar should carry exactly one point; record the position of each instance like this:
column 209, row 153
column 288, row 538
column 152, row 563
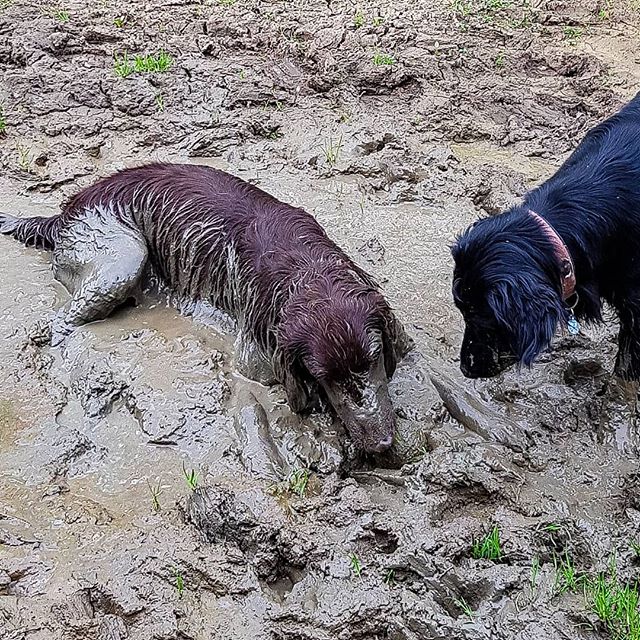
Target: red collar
column 567, row 270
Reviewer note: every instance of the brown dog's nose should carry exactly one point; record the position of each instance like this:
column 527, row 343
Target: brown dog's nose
column 384, row 444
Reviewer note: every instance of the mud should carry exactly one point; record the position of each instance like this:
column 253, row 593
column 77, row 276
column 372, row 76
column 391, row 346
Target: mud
column 100, row 535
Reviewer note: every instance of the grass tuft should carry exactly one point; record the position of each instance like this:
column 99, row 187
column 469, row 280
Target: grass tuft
column 488, row 547
column 535, row 571
column 191, row 477
column 462, row 604
column 383, row 59
column 513, row 14
column 298, row 482
column 605, row 12
column 461, row 8
column 295, row 484
column 355, row 565
column 119, row 22
column 3, row 121
column 616, row 604
column 179, row 582
column 567, row 576
column 497, row 5
column 332, row 149
column 155, row 495
column 24, row 158
column 158, row 63
column 122, row 66
column 61, row 15
column 572, row 35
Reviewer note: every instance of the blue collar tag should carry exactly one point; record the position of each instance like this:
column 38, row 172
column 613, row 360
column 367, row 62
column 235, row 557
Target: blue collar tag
column 573, row 325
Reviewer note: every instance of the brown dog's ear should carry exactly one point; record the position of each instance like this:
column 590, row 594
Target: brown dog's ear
column 298, row 390
column 396, row 344
column 296, row 380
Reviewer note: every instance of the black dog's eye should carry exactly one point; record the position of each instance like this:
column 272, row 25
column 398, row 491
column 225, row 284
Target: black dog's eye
column 457, row 285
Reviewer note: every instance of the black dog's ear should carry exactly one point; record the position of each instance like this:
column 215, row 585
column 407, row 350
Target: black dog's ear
column 454, row 248
column 530, row 315
column 395, row 342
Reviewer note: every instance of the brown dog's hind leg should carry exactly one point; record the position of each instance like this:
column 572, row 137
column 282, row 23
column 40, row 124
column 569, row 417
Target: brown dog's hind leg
column 100, row 262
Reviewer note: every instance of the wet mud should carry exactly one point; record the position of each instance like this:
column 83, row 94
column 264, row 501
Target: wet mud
column 148, row 491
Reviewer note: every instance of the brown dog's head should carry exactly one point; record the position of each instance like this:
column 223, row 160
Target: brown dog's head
column 346, row 346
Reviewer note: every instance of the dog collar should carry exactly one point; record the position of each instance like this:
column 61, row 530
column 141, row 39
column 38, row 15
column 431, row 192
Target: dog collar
column 567, row 270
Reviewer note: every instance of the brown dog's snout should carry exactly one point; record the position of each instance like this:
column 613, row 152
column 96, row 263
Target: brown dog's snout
column 384, row 444
column 369, row 418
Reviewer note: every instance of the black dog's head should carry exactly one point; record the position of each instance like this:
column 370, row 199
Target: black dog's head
column 505, row 284
column 345, row 346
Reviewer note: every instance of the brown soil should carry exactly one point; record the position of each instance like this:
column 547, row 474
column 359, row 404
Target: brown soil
column 483, row 99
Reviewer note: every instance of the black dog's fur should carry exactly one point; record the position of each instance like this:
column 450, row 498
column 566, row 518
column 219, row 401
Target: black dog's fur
column 507, row 277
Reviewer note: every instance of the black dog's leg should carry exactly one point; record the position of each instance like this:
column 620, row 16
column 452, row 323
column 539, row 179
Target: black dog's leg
column 628, row 359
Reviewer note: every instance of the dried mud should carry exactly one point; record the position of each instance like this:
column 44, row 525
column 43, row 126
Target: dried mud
column 100, row 535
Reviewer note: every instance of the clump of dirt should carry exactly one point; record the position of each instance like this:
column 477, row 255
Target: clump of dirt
column 149, row 491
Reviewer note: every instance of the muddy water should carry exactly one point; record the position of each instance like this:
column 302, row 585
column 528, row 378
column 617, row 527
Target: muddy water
column 100, row 535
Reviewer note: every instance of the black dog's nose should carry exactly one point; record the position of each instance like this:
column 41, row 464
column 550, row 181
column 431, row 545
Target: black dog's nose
column 470, row 372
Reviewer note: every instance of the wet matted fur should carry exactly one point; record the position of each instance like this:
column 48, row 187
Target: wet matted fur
column 507, row 277
column 308, row 316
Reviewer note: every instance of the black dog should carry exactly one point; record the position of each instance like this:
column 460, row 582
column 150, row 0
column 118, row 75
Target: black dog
column 573, row 243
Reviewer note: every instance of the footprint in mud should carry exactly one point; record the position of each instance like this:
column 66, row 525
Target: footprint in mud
column 256, row 525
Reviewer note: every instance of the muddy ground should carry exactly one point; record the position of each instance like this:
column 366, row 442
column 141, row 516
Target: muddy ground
column 397, row 124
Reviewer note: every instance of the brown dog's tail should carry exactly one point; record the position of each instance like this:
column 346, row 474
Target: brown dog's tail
column 37, row 231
